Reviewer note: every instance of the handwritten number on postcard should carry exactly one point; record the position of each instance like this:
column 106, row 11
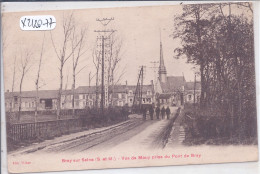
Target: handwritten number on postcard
column 43, row 22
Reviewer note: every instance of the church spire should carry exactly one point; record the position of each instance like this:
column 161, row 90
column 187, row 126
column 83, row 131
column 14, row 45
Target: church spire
column 162, row 68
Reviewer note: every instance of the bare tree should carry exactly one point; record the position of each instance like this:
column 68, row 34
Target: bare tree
column 118, row 75
column 115, row 56
column 90, row 78
column 3, row 35
column 66, row 86
column 24, row 68
column 13, row 81
column 77, row 53
column 62, row 54
column 37, row 80
column 247, row 5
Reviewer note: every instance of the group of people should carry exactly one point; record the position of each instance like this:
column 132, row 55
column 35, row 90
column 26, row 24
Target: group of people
column 157, row 111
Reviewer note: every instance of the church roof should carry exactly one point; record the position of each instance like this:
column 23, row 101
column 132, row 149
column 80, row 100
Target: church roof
column 190, row 86
column 173, row 83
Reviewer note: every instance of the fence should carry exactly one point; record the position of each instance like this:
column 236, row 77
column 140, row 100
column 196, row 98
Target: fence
column 26, row 133
column 53, row 112
column 42, row 130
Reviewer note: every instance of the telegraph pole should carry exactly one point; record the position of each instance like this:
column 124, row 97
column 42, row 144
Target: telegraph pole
column 102, row 78
column 105, row 35
column 139, row 88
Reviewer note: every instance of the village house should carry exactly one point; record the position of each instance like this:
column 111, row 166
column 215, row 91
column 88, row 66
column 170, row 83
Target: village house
column 47, row 100
column 84, row 97
column 192, row 90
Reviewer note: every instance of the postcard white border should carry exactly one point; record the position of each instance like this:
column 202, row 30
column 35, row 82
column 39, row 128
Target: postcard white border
column 249, row 168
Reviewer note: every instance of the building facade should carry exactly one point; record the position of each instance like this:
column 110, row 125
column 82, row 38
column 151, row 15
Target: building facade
column 84, row 97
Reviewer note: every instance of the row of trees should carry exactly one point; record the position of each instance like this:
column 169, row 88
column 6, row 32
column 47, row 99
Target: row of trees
column 72, row 47
column 219, row 39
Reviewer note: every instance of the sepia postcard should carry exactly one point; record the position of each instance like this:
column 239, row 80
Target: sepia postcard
column 129, row 87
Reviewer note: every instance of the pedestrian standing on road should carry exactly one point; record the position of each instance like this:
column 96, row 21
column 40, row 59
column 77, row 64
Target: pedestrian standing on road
column 163, row 112
column 125, row 112
column 144, row 113
column 157, row 110
column 151, row 111
column 168, row 112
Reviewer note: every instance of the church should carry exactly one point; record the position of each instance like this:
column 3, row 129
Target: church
column 174, row 90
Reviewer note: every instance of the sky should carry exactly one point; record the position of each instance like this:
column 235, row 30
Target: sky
column 140, row 28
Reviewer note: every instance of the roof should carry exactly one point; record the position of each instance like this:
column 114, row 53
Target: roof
column 85, row 89
column 52, row 94
column 119, row 88
column 43, row 94
column 144, row 89
column 173, row 83
column 190, row 86
column 92, row 89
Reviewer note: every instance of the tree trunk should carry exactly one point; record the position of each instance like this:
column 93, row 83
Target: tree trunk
column 13, row 105
column 73, row 93
column 202, row 96
column 20, row 97
column 59, row 94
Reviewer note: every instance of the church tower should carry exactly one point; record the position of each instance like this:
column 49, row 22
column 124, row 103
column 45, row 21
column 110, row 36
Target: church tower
column 162, row 68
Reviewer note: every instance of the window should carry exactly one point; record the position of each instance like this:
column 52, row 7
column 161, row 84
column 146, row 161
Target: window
column 15, row 99
column 76, row 96
column 119, row 95
column 148, row 92
column 189, row 97
column 29, row 104
column 144, row 100
column 131, row 100
column 77, row 103
column 26, row 104
column 120, row 103
column 84, row 96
